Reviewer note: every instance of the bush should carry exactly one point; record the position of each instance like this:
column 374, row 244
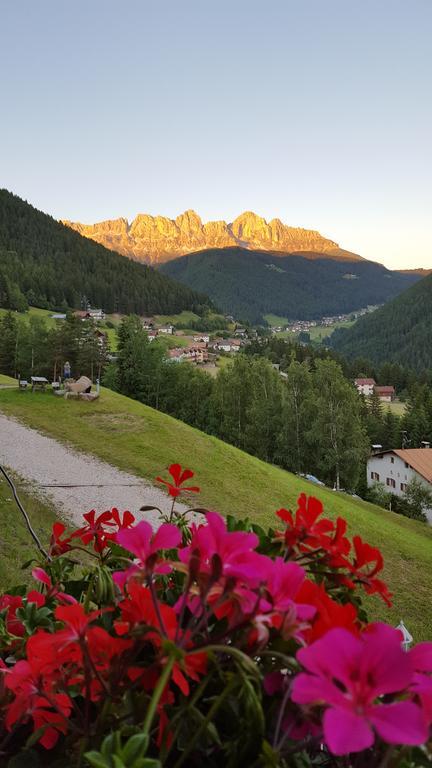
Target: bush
column 209, row 643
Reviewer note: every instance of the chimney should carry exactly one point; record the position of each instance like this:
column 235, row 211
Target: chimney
column 376, row 448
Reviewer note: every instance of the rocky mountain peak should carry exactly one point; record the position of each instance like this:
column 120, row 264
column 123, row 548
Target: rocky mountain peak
column 154, row 239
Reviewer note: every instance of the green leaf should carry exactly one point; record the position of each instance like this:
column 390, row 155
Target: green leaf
column 134, row 748
column 96, row 760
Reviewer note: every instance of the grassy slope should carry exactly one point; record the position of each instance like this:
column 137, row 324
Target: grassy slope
column 16, row 545
column 142, row 440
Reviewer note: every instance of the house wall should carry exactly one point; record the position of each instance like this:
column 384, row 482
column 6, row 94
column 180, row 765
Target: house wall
column 397, row 471
column 365, row 389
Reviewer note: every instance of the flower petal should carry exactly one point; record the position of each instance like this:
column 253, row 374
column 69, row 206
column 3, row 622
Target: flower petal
column 399, row 723
column 345, row 732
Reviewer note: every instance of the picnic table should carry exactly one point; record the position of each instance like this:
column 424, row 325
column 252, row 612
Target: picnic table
column 38, row 382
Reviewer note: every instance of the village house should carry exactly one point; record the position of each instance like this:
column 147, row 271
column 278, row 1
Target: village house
column 365, row 386
column 152, row 335
column 90, row 314
column 168, row 329
column 240, row 332
column 396, row 468
column 385, row 394
column 96, row 314
column 176, row 355
column 147, row 323
column 204, row 338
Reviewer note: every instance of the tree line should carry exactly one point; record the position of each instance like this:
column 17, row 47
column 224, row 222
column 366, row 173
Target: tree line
column 31, row 348
column 308, row 422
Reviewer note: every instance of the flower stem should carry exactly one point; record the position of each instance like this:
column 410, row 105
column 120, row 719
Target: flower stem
column 157, row 694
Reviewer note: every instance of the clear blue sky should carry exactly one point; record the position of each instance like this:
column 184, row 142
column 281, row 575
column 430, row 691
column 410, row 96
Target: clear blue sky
column 315, row 111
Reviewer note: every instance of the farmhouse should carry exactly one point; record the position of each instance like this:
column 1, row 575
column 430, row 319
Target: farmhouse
column 395, row 468
column 166, row 329
column 365, row 386
column 385, row 394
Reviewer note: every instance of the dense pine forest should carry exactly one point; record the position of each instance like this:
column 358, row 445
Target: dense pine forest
column 45, row 264
column 400, row 331
column 251, row 284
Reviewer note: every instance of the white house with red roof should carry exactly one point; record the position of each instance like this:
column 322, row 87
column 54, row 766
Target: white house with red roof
column 396, row 468
column 365, row 386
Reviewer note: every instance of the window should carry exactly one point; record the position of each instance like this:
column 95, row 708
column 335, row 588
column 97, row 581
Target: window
column 403, row 487
column 374, row 476
column 391, row 482
column 392, row 459
column 406, row 465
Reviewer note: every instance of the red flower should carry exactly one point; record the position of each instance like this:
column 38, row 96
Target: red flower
column 139, row 608
column 10, row 603
column 127, row 521
column 367, row 563
column 94, row 530
column 305, row 530
column 329, row 613
column 59, row 546
column 179, row 477
column 35, row 698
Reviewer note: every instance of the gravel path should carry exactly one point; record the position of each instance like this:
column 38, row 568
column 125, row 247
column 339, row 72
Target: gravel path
column 48, row 465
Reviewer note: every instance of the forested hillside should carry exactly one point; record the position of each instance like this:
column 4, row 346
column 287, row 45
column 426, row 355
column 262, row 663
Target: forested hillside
column 251, row 284
column 45, row 264
column 400, row 331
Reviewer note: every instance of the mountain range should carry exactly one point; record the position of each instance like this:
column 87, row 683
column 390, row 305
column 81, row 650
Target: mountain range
column 155, row 239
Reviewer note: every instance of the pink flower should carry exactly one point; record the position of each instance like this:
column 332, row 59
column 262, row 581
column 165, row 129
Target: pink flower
column 421, row 662
column 53, row 591
column 146, row 544
column 234, row 550
column 347, row 675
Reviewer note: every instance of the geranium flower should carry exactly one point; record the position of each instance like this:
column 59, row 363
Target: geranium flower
column 233, row 549
column 367, row 563
column 126, row 521
column 304, row 529
column 59, row 546
column 347, row 676
column 421, row 662
column 139, row 608
column 48, row 709
column 94, row 530
column 179, row 477
column 10, row 604
column 329, row 613
column 143, row 542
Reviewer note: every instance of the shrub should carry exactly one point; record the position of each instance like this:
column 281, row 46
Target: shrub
column 211, row 642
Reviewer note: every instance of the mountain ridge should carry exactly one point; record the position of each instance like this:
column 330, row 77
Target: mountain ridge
column 156, row 239
column 250, row 284
column 398, row 332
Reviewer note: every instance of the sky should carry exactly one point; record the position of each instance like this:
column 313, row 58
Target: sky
column 318, row 112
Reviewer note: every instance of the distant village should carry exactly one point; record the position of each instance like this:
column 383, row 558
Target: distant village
column 200, row 348
column 298, row 326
